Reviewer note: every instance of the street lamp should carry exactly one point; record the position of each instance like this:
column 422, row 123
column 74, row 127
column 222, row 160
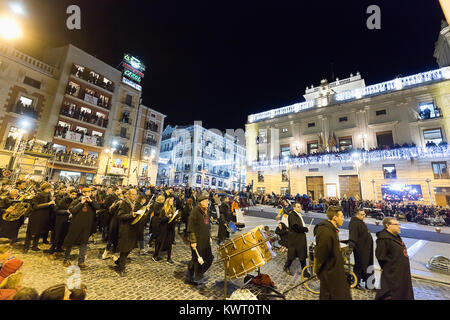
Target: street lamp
column 110, row 153
column 373, row 188
column 9, row 29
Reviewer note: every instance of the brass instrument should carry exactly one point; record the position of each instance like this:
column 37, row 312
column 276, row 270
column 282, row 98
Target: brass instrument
column 143, row 212
column 20, row 207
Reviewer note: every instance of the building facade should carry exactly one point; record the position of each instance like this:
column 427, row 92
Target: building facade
column 442, row 46
column 146, row 146
column 69, row 116
column 383, row 141
column 196, row 157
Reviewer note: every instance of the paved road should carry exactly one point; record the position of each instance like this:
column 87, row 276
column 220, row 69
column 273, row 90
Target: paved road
column 148, row 280
column 406, row 233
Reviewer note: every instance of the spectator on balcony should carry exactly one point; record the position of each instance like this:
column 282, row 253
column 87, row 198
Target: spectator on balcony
column 10, row 143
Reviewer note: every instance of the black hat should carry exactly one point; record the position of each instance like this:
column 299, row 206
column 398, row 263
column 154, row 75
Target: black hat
column 203, row 196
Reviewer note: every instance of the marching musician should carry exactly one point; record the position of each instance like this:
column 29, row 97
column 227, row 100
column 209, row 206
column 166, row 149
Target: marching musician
column 167, row 230
column 199, row 229
column 224, row 218
column 155, row 219
column 21, row 186
column 61, row 192
column 127, row 232
column 62, row 221
column 83, row 217
column 140, row 225
column 112, row 204
column 297, row 245
column 10, row 229
column 39, row 221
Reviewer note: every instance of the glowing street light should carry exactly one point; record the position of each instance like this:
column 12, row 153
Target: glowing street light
column 9, row 29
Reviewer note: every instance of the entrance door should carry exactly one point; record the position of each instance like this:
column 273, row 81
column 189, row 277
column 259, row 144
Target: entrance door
column 314, row 187
column 349, row 186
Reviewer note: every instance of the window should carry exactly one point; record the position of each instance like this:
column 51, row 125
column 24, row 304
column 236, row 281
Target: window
column 385, row 139
column 432, row 136
column 123, row 132
column 428, row 111
column 153, row 115
column 312, row 147
column 128, row 100
column 85, row 110
column 440, row 170
column 64, row 124
column 285, row 151
column 311, row 124
column 31, row 82
column 81, row 129
column 27, row 102
column 59, row 147
column 260, row 176
column 343, row 119
column 96, row 133
column 284, row 176
column 345, row 143
column 76, row 150
column 101, row 115
column 380, row 112
column 93, row 153
column 284, row 130
column 284, row 190
column 389, row 171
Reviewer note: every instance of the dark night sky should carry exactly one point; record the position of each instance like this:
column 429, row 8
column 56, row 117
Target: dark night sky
column 219, row 61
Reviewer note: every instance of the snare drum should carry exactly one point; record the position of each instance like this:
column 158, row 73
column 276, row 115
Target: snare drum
column 245, row 253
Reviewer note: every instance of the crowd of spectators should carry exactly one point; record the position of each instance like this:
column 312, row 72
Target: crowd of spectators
column 75, row 112
column 27, row 110
column 61, row 131
column 76, row 158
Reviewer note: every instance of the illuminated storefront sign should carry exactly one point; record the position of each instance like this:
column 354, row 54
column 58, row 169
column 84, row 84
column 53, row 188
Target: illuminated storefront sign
column 131, row 84
column 134, row 62
column 132, row 76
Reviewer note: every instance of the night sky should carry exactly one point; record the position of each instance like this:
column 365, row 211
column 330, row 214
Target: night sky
column 219, row 61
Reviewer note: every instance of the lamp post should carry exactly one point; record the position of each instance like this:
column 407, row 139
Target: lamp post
column 373, row 188
column 110, row 153
column 429, row 190
column 363, row 137
column 289, row 178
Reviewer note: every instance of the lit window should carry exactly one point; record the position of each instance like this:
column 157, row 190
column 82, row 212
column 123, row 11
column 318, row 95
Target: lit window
column 440, row 170
column 389, row 171
column 345, row 143
column 432, row 136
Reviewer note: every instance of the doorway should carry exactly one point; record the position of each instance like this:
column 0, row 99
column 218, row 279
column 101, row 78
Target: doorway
column 314, row 187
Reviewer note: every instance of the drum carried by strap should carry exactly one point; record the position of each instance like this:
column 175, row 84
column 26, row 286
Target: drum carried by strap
column 246, row 253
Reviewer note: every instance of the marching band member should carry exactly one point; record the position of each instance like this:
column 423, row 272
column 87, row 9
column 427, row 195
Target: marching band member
column 167, row 230
column 127, row 232
column 39, row 220
column 83, row 216
column 10, row 229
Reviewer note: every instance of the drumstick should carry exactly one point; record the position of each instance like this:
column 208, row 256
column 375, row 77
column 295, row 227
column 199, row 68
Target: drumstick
column 310, row 223
column 200, row 259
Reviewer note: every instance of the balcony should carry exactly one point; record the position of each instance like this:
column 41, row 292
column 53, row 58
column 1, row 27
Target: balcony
column 151, row 126
column 88, row 77
column 126, row 120
column 20, row 108
column 64, row 133
column 72, row 158
column 117, row 170
column 151, row 142
column 430, row 114
column 122, row 135
column 90, row 118
column 129, row 103
column 85, row 97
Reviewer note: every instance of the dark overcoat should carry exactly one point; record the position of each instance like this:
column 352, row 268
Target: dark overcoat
column 39, row 221
column 225, row 212
column 392, row 256
column 62, row 217
column 105, row 215
column 329, row 263
column 362, row 243
column 297, row 245
column 127, row 232
column 83, row 217
column 155, row 221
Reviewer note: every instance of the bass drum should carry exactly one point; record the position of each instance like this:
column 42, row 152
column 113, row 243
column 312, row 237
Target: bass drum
column 246, row 253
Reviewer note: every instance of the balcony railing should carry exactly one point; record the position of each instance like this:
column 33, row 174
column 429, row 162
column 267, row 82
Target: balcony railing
column 70, row 157
column 64, row 133
column 426, row 114
column 20, row 108
column 89, row 118
column 126, row 120
column 151, row 127
column 121, row 135
column 129, row 103
column 87, row 76
column 148, row 141
column 87, row 97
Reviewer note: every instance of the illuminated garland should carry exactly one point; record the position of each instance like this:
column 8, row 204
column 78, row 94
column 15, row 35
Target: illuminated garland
column 361, row 156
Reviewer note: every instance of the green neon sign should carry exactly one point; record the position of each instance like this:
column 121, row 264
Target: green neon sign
column 132, row 76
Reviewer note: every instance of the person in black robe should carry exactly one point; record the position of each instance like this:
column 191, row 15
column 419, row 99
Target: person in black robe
column 185, row 216
column 141, row 202
column 128, row 236
column 39, row 220
column 297, row 245
column 167, row 230
column 113, row 228
column 328, row 259
column 361, row 244
column 105, row 216
column 199, row 229
column 392, row 256
column 62, row 222
column 224, row 218
column 83, row 212
column 345, row 205
column 155, row 219
column 10, row 229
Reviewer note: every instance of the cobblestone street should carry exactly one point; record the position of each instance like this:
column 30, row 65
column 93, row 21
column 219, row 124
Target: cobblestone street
column 149, row 280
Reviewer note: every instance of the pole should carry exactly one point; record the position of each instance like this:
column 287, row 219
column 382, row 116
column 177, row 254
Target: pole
column 373, row 188
column 429, row 191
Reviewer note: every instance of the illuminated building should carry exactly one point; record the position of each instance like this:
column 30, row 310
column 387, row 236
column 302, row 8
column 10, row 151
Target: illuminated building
column 288, row 146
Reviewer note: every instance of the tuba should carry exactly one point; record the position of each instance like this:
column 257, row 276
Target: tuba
column 20, row 207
